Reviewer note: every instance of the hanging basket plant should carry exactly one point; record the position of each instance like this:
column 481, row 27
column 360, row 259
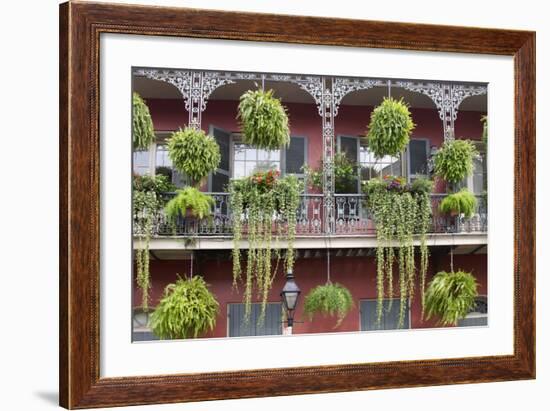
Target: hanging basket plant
column 463, row 202
column 331, row 299
column 193, row 153
column 189, row 202
column 142, row 125
column 264, row 209
column 400, row 212
column 455, row 160
column 187, row 309
column 264, row 120
column 451, row 296
column 390, row 128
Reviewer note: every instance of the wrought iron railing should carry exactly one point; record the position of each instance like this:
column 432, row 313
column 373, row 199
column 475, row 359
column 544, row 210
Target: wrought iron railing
column 351, row 217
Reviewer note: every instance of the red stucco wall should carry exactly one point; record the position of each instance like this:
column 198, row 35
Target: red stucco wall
column 358, row 274
column 305, row 121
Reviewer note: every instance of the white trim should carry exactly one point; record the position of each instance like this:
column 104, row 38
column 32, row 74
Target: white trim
column 226, row 243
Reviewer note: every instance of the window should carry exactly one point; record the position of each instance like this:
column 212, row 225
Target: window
column 477, row 182
column 163, row 164
column 272, row 324
column 219, row 179
column 478, row 316
column 141, row 162
column 295, row 156
column 248, row 160
column 390, row 316
column 417, row 158
column 372, row 167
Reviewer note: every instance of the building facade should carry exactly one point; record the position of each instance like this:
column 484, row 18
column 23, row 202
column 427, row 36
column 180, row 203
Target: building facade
column 335, row 230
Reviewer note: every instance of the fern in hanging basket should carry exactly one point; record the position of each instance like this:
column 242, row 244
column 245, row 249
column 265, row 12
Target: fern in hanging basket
column 463, row 202
column 142, row 125
column 193, row 153
column 331, row 299
column 455, row 160
column 186, row 310
column 451, row 296
column 390, row 128
column 189, row 201
column 264, row 120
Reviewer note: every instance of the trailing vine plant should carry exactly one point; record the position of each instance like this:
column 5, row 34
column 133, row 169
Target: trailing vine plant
column 147, row 201
column 258, row 203
column 400, row 211
column 142, row 125
column 187, row 309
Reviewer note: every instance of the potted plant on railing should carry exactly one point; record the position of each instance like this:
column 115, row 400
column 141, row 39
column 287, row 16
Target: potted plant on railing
column 400, row 212
column 461, row 203
column 263, row 205
column 189, row 203
column 345, row 175
column 187, row 309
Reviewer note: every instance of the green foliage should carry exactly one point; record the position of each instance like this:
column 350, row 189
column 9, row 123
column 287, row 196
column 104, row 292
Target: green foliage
column 193, row 153
column 264, row 120
column 142, row 125
column 463, row 202
column 330, row 299
column 258, row 203
column 189, row 199
column 158, row 183
column 485, row 131
column 455, row 160
column 164, row 171
column 186, row 310
column 145, row 205
column 390, row 128
column 422, row 185
column 451, row 296
column 399, row 214
column 345, row 175
column 147, row 201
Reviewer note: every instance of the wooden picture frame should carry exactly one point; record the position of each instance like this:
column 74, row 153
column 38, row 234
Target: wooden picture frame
column 80, row 27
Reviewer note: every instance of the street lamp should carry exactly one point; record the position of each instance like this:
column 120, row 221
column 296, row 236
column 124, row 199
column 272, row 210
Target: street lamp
column 289, row 296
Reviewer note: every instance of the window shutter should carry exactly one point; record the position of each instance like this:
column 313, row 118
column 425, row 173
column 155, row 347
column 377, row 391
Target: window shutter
column 220, row 178
column 418, row 157
column 295, row 156
column 272, row 324
column 348, row 146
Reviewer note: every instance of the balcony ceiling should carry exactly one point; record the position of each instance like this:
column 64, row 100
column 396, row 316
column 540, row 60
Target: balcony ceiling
column 292, row 93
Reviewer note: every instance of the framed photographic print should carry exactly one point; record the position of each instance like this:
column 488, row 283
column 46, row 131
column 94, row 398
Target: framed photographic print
column 257, row 205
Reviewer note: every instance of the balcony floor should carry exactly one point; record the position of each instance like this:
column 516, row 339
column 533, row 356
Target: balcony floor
column 335, row 241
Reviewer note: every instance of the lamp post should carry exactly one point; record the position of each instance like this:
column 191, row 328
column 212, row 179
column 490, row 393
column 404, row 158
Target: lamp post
column 289, row 296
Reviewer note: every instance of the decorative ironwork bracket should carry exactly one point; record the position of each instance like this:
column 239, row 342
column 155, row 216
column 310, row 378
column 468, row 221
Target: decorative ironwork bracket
column 447, row 98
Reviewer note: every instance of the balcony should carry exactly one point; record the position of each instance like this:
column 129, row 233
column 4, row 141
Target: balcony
column 352, row 218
